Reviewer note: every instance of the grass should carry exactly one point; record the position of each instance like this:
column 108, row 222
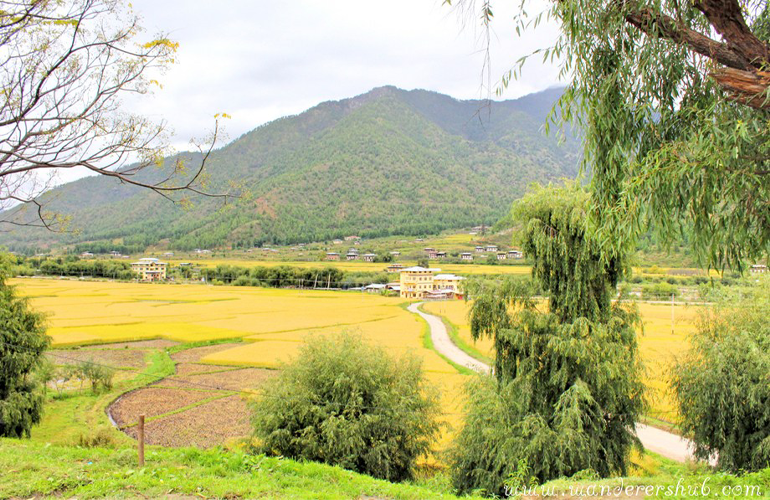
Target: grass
column 40, row 470
column 267, row 325
column 73, row 416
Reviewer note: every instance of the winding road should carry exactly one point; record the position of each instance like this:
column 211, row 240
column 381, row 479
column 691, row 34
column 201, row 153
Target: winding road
column 659, row 441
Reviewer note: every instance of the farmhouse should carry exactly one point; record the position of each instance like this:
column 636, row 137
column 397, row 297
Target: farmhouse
column 351, row 256
column 479, row 249
column 501, row 255
column 332, row 256
column 448, row 284
column 515, row 254
column 491, row 248
column 466, row 256
column 150, row 269
column 758, row 269
column 394, row 268
column 369, row 257
column 395, row 254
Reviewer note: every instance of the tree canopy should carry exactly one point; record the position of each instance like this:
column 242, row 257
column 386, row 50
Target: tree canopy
column 22, row 343
column 672, row 98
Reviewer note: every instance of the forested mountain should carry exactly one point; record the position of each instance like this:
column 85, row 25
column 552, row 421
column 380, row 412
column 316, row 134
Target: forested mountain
column 386, row 162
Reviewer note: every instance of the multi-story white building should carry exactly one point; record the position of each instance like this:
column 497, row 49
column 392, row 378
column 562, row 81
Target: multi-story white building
column 423, row 283
column 150, row 269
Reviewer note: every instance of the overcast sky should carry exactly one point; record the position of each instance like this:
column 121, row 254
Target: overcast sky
column 259, row 60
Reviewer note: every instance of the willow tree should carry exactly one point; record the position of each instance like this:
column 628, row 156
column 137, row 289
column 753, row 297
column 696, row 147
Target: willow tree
column 567, row 387
column 22, row 344
column 672, row 97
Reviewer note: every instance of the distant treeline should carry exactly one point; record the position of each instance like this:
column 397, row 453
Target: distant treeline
column 273, row 277
column 73, row 266
column 292, row 277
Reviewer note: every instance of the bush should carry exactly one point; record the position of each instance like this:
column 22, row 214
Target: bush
column 722, row 387
column 347, row 403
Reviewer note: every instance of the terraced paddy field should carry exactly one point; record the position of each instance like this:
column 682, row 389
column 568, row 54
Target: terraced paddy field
column 660, row 341
column 269, row 325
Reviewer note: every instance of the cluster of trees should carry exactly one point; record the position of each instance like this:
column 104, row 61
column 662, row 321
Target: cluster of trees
column 291, row 277
column 73, row 266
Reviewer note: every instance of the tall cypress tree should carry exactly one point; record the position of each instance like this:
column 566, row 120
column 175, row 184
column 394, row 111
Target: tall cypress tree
column 22, row 344
column 567, row 387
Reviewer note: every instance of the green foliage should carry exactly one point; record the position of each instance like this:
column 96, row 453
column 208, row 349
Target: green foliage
column 347, row 403
column 22, row 344
column 567, row 387
column 99, row 376
column 667, row 146
column 722, row 386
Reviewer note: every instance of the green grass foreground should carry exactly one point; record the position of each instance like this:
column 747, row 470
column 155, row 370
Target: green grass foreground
column 34, row 469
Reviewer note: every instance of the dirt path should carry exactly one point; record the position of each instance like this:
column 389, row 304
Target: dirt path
column 659, row 441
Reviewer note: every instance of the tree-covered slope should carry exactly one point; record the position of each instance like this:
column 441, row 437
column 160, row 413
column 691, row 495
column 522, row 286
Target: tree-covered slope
column 386, row 162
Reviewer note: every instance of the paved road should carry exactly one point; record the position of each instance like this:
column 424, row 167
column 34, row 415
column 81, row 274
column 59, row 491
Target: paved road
column 661, row 442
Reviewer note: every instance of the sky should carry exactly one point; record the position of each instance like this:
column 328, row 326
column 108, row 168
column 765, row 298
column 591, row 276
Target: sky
column 259, row 60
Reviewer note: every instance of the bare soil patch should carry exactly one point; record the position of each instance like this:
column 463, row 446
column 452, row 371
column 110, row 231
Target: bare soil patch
column 139, row 344
column 196, row 353
column 152, row 401
column 184, row 369
column 203, row 426
column 118, row 358
column 232, row 380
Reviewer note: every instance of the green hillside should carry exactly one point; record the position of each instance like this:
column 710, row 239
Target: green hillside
column 386, row 162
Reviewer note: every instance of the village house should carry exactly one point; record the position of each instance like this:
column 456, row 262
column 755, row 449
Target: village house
column 491, row 248
column 515, row 254
column 369, row 257
column 150, row 269
column 440, row 255
column 448, row 285
column 86, row 255
column 351, row 256
column 466, row 256
column 394, row 268
column 338, row 242
column 332, row 256
column 501, row 256
column 352, row 238
column 395, row 254
column 758, row 269
column 479, row 249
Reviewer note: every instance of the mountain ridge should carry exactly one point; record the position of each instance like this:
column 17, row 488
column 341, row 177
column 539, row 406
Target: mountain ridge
column 389, row 161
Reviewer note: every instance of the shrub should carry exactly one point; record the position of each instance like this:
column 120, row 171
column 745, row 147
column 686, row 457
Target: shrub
column 722, row 386
column 99, row 376
column 348, row 403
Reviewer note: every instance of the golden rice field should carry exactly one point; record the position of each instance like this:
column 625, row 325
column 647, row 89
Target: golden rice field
column 356, row 265
column 659, row 343
column 272, row 322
